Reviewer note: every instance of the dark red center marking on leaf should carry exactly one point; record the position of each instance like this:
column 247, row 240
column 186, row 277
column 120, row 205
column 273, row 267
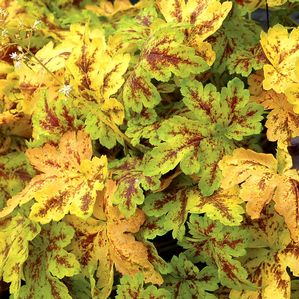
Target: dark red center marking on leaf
column 51, row 121
column 69, row 118
column 138, row 84
column 86, row 200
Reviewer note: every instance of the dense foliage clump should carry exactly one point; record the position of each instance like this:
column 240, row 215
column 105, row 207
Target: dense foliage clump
column 128, row 130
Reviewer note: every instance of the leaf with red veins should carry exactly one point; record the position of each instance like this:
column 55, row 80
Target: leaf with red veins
column 49, row 262
column 108, row 240
column 274, row 180
column 130, row 180
column 52, row 117
column 69, row 181
column 216, row 244
column 165, row 53
column 271, row 257
column 206, row 16
column 282, row 122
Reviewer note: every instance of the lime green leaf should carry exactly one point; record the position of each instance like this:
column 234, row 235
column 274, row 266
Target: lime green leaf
column 132, row 288
column 48, row 262
column 237, row 46
column 170, row 209
column 78, row 286
column 218, row 245
column 139, row 91
column 128, row 174
column 187, row 281
column 15, row 234
column 159, row 264
column 15, row 173
column 52, row 117
column 182, row 137
column 165, row 53
column 199, row 140
column 223, row 206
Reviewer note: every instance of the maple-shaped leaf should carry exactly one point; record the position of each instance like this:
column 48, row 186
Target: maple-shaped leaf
column 15, row 234
column 237, row 46
column 97, row 86
column 270, row 258
column 69, row 181
column 187, row 281
column 170, row 211
column 139, row 91
column 182, row 137
column 130, row 180
column 200, row 141
column 205, row 16
column 48, row 262
column 273, row 179
column 217, row 245
column 15, row 173
column 282, row 122
column 143, row 125
column 108, row 240
column 131, row 287
column 281, row 49
column 223, row 206
column 164, row 54
column 52, row 117
column 134, row 31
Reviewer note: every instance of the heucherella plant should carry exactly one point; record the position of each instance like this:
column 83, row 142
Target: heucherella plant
column 147, row 149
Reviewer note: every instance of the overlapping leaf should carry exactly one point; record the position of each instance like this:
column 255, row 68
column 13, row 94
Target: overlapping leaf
column 218, row 245
column 187, row 281
column 237, row 46
column 281, row 49
column 198, row 144
column 48, row 262
column 108, row 240
column 282, row 122
column 98, row 85
column 132, row 287
column 15, row 173
column 273, row 180
column 15, row 234
column 68, row 183
column 163, row 55
column 128, row 174
column 271, row 253
column 205, row 16
column 52, row 117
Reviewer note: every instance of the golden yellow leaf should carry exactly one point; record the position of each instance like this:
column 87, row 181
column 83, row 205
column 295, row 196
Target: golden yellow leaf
column 107, row 241
column 264, row 179
column 282, row 51
column 282, row 122
column 69, row 180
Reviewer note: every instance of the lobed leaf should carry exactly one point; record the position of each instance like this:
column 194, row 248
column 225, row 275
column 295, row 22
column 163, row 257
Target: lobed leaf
column 273, row 180
column 68, row 183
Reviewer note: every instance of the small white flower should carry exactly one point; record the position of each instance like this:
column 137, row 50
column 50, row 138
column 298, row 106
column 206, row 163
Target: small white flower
column 4, row 32
column 13, row 56
column 66, row 89
column 36, row 24
column 18, row 64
